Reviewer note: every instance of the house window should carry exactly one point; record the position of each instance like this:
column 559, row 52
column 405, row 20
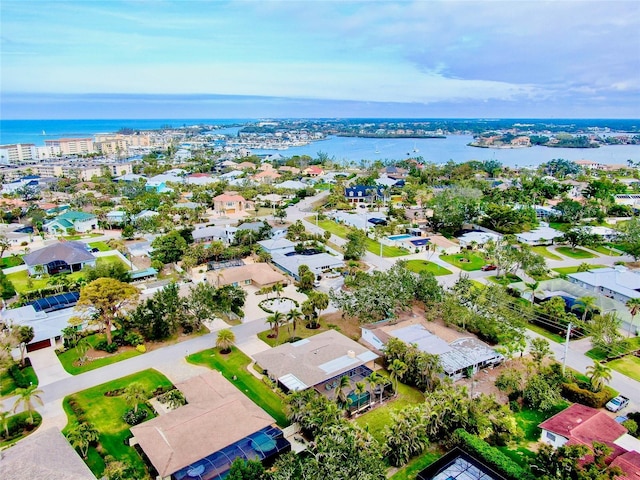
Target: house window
column 551, row 436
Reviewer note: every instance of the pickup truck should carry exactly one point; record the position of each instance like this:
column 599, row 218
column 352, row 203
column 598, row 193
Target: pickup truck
column 616, row 404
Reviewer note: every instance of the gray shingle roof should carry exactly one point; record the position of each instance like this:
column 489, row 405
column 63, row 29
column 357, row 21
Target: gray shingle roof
column 71, row 252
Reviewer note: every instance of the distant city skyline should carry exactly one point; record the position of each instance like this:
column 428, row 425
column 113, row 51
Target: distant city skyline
column 247, row 59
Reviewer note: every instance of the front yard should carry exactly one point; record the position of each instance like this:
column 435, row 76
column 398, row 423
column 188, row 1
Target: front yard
column 577, row 253
column 105, row 414
column 418, row 266
column 467, row 261
column 341, row 231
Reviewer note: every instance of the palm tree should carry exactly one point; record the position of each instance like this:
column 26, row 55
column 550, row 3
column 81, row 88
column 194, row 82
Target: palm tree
column 275, row 321
column 4, row 421
column 533, row 288
column 340, row 396
column 134, row 395
column 26, row 398
column 277, row 288
column 598, row 374
column 634, row 308
column 588, row 304
column 225, row 340
column 361, row 387
column 293, row 318
column 81, row 437
column 397, row 368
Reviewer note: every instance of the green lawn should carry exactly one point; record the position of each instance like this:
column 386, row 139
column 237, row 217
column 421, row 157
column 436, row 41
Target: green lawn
column 603, row 249
column 540, row 250
column 70, row 356
column 234, row 368
column 112, row 259
column 563, row 227
column 568, row 270
column 630, row 345
column 618, row 246
column 545, row 333
column 341, row 231
column 105, row 413
column 7, row 385
column 629, row 366
column 418, row 266
column 377, row 419
column 11, row 261
column 417, row 464
column 301, row 332
column 575, row 253
column 102, row 246
column 469, row 263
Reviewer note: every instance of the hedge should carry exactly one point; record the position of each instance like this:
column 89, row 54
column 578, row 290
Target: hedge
column 493, row 457
column 573, row 393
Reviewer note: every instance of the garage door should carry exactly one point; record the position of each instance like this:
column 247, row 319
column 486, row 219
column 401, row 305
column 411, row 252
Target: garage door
column 32, row 347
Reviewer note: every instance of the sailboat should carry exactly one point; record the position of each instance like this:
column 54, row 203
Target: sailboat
column 377, row 151
column 44, row 133
column 415, row 149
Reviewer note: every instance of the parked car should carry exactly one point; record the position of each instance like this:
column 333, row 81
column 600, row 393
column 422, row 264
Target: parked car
column 488, row 268
column 616, row 404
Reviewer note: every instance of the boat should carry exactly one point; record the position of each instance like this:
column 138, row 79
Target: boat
column 415, row 149
column 44, row 133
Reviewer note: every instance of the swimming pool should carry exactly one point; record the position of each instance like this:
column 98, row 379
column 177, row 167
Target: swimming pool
column 395, row 238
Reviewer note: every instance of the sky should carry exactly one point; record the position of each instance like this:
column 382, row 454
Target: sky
column 315, row 58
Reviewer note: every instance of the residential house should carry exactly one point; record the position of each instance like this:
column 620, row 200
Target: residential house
column 316, row 362
column 257, row 274
column 458, row 464
column 457, row 358
column 582, row 425
column 266, row 177
column 44, row 455
column 16, row 233
column 617, row 282
column 223, row 233
column 313, row 171
column 202, row 438
column 59, row 257
column 277, row 245
column 443, row 245
column 292, row 185
column 364, row 194
column 319, row 263
column 542, row 235
column 229, row 203
column 71, row 220
column 477, row 239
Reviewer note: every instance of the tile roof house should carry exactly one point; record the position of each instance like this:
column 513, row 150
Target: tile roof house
column 582, row 425
column 313, row 171
column 72, row 220
column 229, row 202
column 59, row 257
column 202, row 438
column 313, row 361
column 258, row 274
column 266, row 176
column 43, row 455
column 629, row 463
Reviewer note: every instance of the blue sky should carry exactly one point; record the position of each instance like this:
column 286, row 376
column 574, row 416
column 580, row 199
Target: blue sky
column 567, row 58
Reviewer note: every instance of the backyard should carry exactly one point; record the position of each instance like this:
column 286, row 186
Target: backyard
column 372, row 246
column 105, row 414
column 233, row 367
column 465, row 261
column 418, row 266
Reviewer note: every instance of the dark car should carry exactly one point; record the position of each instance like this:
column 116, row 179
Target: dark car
column 488, row 268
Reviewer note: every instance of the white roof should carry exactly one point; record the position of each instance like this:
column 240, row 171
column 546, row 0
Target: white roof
column 479, row 237
column 292, row 185
column 539, row 233
column 619, row 279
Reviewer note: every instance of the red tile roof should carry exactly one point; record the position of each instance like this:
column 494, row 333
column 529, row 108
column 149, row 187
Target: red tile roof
column 629, row 463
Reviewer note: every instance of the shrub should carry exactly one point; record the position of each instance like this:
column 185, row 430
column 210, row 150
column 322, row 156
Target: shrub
column 18, row 377
column 134, row 418
column 573, row 393
column 134, row 339
column 141, row 348
column 106, row 347
column 490, row 455
column 77, row 410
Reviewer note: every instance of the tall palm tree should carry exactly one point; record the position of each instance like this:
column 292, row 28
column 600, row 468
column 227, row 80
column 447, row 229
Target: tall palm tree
column 634, row 309
column 277, row 288
column 27, row 397
column 340, row 395
column 361, row 387
column 598, row 374
column 134, row 395
column 294, row 317
column 587, row 304
column 397, row 368
column 275, row 321
column 225, row 340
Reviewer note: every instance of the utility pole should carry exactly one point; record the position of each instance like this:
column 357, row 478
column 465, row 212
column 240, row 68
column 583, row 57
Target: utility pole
column 566, row 347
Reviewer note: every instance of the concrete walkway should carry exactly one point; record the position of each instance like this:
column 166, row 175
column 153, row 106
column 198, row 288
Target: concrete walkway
column 46, row 364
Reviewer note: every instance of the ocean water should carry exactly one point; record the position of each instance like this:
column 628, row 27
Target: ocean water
column 344, row 150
